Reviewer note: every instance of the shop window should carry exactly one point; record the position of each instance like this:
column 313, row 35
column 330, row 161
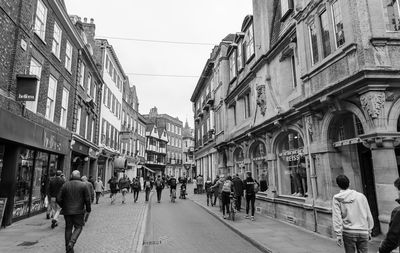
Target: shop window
column 258, row 155
column 238, row 158
column 40, row 181
column 292, row 166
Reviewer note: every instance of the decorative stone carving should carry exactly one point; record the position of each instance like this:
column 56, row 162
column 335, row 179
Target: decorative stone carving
column 309, row 126
column 373, row 103
column 261, row 99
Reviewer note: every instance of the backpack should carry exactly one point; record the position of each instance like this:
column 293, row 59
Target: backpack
column 227, row 186
column 159, row 184
column 148, row 185
column 135, row 184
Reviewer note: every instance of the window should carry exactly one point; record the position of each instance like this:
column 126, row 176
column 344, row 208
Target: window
column 64, row 107
column 113, row 104
column 51, row 98
column 109, row 99
column 240, row 64
column 250, row 42
column 326, row 43
column 234, row 114
column 232, row 65
column 393, row 15
column 56, row 46
column 94, row 92
column 40, row 20
column 293, row 65
column 110, row 69
column 107, row 62
column 68, row 56
column 286, row 7
column 82, row 74
column 105, row 95
column 89, row 85
column 35, row 68
column 78, row 120
column 247, row 105
column 115, row 76
column 313, row 43
column 103, row 136
column 338, row 23
column 87, row 126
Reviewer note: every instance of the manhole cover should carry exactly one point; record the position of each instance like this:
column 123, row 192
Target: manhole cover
column 152, row 243
column 28, row 243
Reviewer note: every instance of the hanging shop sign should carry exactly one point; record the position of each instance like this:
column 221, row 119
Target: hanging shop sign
column 26, row 87
column 292, row 155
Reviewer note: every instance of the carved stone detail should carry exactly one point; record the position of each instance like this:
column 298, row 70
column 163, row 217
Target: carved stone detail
column 373, row 103
column 261, row 99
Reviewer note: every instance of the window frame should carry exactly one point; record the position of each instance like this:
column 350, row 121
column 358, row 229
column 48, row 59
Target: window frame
column 50, row 111
column 68, row 56
column 321, row 26
column 57, row 40
column 250, row 46
column 41, row 32
column 313, row 61
column 82, row 74
column 89, row 85
column 64, row 107
column 78, row 120
column 32, row 105
column 334, row 22
column 232, row 66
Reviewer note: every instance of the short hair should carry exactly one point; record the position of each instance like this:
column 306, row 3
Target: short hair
column 397, row 183
column 248, row 173
column 76, row 174
column 343, row 182
column 58, row 173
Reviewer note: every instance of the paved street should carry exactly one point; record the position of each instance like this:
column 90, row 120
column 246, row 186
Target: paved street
column 185, row 227
column 111, row 228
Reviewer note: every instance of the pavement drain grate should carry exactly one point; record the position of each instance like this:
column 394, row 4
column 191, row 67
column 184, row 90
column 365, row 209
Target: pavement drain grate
column 27, row 243
column 152, row 243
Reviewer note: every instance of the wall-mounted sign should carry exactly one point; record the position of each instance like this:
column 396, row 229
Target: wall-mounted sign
column 26, row 87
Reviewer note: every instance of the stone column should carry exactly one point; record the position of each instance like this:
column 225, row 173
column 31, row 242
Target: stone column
column 385, row 172
column 272, row 176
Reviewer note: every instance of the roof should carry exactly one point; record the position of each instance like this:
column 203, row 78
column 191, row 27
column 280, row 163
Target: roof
column 246, row 22
column 114, row 55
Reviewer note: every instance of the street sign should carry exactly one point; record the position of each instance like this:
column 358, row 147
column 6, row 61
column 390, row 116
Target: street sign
column 3, row 202
column 26, row 87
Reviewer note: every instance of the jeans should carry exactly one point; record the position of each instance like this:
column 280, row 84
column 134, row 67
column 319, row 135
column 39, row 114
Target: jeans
column 238, row 202
column 250, row 199
column 135, row 194
column 355, row 242
column 113, row 197
column 159, row 190
column 97, row 197
column 75, row 223
column 225, row 202
column 209, row 198
column 124, row 192
column 54, row 209
column 215, row 198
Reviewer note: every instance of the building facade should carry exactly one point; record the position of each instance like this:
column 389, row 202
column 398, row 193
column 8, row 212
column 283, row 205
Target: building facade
column 156, row 151
column 188, row 151
column 312, row 94
column 173, row 127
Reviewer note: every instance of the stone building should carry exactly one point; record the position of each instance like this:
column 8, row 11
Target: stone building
column 313, row 94
column 188, row 151
column 173, row 127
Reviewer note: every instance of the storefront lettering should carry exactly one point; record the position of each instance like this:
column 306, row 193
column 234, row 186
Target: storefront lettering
column 50, row 141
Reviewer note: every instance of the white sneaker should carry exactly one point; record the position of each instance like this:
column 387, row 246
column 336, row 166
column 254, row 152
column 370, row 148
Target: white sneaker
column 247, row 216
column 252, row 218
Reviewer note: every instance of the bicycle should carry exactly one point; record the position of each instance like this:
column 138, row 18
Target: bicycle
column 173, row 195
column 232, row 210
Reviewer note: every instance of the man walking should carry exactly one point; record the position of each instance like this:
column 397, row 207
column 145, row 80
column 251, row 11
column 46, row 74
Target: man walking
column 124, row 185
column 113, row 188
column 147, row 187
column 159, row 187
column 250, row 186
column 55, row 185
column 352, row 218
column 237, row 191
column 200, row 182
column 209, row 191
column 74, row 199
column 136, row 189
column 98, row 188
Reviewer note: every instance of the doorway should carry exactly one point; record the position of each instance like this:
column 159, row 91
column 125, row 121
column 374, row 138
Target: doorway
column 368, row 183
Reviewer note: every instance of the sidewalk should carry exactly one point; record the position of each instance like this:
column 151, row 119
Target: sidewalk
column 271, row 235
column 110, row 228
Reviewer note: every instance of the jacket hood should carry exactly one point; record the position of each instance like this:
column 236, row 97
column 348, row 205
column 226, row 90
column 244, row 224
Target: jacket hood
column 346, row 196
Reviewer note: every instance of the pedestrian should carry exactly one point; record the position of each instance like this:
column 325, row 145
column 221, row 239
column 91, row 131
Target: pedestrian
column 98, row 188
column 113, row 188
column 54, row 188
column 209, row 191
column 391, row 240
column 251, row 188
column 91, row 180
column 200, row 182
column 218, row 188
column 237, row 191
column 91, row 193
column 142, row 183
column 227, row 189
column 135, row 188
column 147, row 187
column 159, row 183
column 351, row 217
column 195, row 190
column 124, row 185
column 74, row 199
column 215, row 190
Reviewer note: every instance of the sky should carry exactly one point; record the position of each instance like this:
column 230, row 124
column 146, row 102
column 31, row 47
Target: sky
column 195, row 21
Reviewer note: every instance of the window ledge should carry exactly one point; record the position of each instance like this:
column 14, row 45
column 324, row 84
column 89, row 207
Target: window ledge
column 250, row 58
column 57, row 57
column 43, row 40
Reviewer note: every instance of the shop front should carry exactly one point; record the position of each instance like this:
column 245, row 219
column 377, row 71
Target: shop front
column 29, row 155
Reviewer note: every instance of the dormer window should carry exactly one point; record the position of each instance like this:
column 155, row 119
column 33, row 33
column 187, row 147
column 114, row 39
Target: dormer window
column 249, row 42
column 286, row 8
column 240, row 64
column 232, row 65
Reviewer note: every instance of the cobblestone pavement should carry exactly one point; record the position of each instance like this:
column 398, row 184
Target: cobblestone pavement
column 184, row 227
column 111, row 228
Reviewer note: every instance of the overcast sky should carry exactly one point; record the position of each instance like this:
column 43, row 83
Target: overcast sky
column 199, row 21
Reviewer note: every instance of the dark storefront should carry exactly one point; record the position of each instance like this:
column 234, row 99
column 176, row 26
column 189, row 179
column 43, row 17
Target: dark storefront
column 83, row 157
column 29, row 153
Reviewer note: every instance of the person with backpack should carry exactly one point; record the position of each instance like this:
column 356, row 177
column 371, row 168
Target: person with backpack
column 124, row 185
column 237, row 191
column 217, row 187
column 172, row 184
column 159, row 183
column 251, row 187
column 135, row 188
column 227, row 189
column 209, row 191
column 147, row 188
column 113, row 182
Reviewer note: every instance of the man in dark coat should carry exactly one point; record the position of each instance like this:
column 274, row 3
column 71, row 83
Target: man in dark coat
column 237, row 191
column 54, row 188
column 74, row 199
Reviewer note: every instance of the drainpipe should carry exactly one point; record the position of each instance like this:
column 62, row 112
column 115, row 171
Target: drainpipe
column 313, row 175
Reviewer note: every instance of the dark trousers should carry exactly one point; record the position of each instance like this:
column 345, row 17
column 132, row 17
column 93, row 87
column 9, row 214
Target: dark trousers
column 135, row 194
column 73, row 228
column 250, row 199
column 215, row 198
column 210, row 198
column 147, row 194
column 238, row 202
column 97, row 197
column 159, row 191
column 225, row 202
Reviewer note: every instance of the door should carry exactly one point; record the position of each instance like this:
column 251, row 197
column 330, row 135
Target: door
column 368, row 181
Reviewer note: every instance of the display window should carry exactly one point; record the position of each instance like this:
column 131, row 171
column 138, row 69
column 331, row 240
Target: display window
column 238, row 158
column 259, row 160
column 40, row 181
column 292, row 166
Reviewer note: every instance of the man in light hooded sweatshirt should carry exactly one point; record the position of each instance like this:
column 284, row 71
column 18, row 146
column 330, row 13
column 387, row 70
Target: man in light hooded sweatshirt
column 352, row 218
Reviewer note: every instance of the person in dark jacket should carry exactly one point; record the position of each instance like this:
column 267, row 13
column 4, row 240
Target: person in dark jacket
column 148, row 186
column 74, row 199
column 249, row 186
column 237, row 191
column 113, row 182
column 159, row 183
column 124, row 185
column 54, row 188
column 215, row 190
column 136, row 189
column 209, row 191
column 91, row 193
column 392, row 239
